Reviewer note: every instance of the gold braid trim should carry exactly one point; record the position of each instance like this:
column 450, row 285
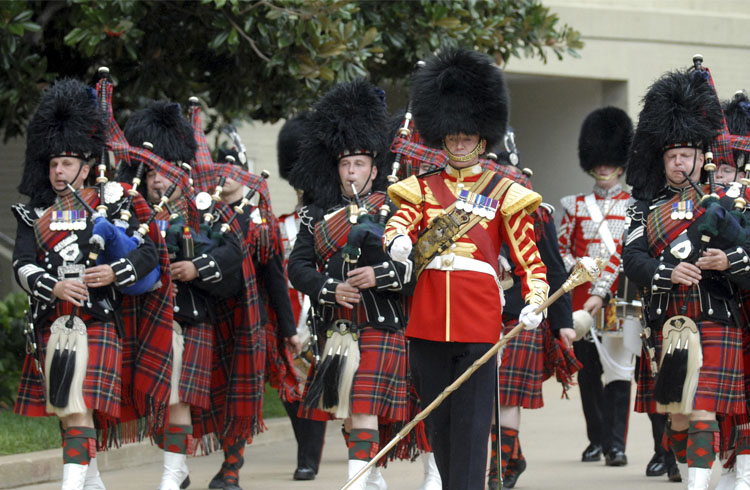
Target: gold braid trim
column 406, row 190
column 519, row 197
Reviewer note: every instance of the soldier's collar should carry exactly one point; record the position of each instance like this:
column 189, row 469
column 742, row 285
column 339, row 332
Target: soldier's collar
column 464, row 173
column 607, row 193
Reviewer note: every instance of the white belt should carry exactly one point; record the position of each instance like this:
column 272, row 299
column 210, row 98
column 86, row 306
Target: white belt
column 453, row 262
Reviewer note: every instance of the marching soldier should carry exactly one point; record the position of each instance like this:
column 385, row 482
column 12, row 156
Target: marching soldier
column 593, row 225
column 84, row 365
column 276, row 311
column 459, row 217
column 525, row 360
column 338, row 261
column 687, row 268
column 309, row 433
column 206, row 271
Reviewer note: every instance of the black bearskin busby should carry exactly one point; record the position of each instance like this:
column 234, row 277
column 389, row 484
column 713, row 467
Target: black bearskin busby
column 67, row 121
column 737, row 112
column 288, row 143
column 605, row 138
column 163, row 125
column 679, row 110
column 350, row 117
column 459, row 91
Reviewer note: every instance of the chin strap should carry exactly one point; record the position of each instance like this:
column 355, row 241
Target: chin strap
column 479, row 149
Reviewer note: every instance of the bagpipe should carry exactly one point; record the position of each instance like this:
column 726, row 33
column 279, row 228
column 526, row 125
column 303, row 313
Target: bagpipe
column 209, row 179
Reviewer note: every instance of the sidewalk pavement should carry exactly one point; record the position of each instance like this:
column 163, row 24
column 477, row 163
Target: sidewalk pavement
column 552, row 438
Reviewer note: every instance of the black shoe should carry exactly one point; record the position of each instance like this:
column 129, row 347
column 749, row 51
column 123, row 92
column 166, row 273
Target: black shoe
column 513, row 472
column 592, row 453
column 304, row 474
column 217, row 481
column 185, row 483
column 616, row 457
column 673, row 473
column 657, row 466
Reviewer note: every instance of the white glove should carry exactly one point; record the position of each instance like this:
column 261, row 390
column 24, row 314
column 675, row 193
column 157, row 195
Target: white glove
column 400, row 248
column 529, row 318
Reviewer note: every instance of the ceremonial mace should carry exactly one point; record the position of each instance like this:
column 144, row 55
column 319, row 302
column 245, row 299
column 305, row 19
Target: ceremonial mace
column 586, row 269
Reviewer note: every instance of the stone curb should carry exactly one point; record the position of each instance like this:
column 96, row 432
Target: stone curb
column 43, row 466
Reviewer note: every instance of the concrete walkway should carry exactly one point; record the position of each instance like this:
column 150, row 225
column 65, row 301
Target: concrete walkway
column 552, row 439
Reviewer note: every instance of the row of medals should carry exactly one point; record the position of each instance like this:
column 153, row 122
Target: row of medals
column 473, row 203
column 75, row 219
column 682, row 210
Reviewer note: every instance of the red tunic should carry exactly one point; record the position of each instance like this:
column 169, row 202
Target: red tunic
column 580, row 236
column 465, row 305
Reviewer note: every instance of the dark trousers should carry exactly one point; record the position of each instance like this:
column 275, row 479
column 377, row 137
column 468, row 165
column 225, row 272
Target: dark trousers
column 605, row 408
column 460, row 427
column 310, row 435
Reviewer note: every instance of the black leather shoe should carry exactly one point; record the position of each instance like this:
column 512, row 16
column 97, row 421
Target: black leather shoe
column 673, row 473
column 304, row 474
column 657, row 466
column 592, row 453
column 217, row 481
column 513, row 472
column 616, row 457
column 185, row 483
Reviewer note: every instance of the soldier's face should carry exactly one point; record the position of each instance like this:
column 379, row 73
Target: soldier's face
column 357, row 170
column 462, row 144
column 727, row 173
column 64, row 170
column 679, row 160
column 157, row 185
column 230, row 188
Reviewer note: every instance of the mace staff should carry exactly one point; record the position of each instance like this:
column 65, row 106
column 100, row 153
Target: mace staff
column 586, row 269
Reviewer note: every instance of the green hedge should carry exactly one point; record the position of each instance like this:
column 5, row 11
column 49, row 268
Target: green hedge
column 12, row 346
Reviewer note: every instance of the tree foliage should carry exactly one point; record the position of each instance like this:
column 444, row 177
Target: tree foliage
column 262, row 59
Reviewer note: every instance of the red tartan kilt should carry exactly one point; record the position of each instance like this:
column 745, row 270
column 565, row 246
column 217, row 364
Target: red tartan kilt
column 521, row 372
column 380, row 386
column 280, row 372
column 721, row 380
column 380, row 383
column 197, row 359
column 101, row 386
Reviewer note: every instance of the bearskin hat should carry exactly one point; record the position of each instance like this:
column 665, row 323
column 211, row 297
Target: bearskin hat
column 737, row 113
column 288, row 143
column 67, row 122
column 459, row 91
column 163, row 125
column 351, row 117
column 605, row 138
column 680, row 109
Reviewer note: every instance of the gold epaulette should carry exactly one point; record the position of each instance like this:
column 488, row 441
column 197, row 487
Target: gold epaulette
column 519, row 197
column 406, row 190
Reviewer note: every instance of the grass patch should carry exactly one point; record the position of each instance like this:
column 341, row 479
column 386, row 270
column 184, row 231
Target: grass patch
column 272, row 406
column 19, row 434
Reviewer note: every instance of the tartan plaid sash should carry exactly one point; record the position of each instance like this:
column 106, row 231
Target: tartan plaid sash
column 662, row 230
column 331, row 234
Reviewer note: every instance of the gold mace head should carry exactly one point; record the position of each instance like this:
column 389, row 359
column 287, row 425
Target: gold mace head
column 585, row 270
